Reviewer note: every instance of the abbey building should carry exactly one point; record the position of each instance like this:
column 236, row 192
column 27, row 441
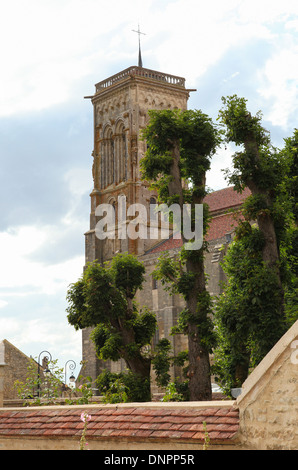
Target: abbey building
column 120, row 106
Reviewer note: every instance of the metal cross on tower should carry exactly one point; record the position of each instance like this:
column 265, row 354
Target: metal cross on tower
column 140, row 64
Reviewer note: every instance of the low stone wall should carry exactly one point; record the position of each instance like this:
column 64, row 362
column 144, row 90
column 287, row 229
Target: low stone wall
column 264, row 417
column 131, row 426
column 268, row 404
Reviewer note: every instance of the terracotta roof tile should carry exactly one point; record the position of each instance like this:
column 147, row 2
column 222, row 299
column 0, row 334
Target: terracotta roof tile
column 129, row 422
column 222, row 221
column 225, row 199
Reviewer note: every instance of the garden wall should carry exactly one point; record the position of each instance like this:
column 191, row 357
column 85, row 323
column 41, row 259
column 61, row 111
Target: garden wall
column 142, row 426
column 264, row 417
column 268, row 404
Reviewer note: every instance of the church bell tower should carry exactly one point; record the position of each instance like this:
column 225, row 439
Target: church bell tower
column 120, row 106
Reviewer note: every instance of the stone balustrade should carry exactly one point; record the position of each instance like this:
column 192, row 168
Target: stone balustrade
column 140, row 72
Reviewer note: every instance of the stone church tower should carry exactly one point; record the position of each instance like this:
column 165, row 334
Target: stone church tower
column 121, row 105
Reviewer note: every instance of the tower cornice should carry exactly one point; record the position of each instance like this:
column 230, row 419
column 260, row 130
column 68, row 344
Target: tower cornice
column 140, row 75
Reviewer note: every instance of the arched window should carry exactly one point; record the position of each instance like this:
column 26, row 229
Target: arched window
column 152, row 203
column 120, row 154
column 110, row 158
column 124, row 154
column 113, row 203
column 107, row 158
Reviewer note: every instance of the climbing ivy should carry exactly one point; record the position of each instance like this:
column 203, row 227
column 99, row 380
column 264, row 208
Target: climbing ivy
column 180, row 145
column 259, row 301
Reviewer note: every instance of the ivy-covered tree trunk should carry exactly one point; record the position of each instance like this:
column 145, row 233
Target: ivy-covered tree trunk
column 251, row 313
column 180, row 145
column 264, row 217
column 199, row 363
column 256, row 168
column 241, row 371
column 134, row 360
column 199, row 353
column 175, row 186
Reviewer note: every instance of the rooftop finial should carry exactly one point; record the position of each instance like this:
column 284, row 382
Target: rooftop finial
column 140, row 64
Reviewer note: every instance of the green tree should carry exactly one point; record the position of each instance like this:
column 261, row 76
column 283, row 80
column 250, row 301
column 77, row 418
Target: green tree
column 289, row 184
column 103, row 298
column 258, row 303
column 247, row 314
column 123, row 387
column 257, row 167
column 287, row 198
column 180, row 145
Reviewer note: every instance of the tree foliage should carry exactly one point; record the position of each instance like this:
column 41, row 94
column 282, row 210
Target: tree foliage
column 103, row 298
column 180, row 146
column 260, row 299
column 288, row 200
column 257, row 166
column 258, row 303
column 290, row 180
column 123, row 387
column 195, row 137
column 247, row 312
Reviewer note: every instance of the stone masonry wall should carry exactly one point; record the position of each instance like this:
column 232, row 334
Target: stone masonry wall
column 269, row 402
column 15, row 369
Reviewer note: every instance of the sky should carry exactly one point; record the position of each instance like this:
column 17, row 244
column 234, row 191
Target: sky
column 53, row 52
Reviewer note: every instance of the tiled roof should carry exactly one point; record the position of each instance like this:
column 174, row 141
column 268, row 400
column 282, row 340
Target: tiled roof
column 168, row 244
column 220, row 226
column 123, row 422
column 225, row 199
column 222, row 221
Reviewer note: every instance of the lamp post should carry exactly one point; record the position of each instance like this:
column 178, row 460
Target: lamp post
column 71, row 366
column 46, row 371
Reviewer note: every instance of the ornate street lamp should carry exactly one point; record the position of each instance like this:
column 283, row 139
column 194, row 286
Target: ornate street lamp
column 46, row 371
column 71, row 366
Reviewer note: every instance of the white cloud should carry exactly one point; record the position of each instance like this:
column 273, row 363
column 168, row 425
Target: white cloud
column 21, row 271
column 39, row 334
column 231, row 77
column 39, row 330
column 19, row 246
column 79, row 181
column 50, row 45
column 266, row 11
column 292, row 24
column 197, row 34
column 8, row 326
column 215, row 177
column 280, row 84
